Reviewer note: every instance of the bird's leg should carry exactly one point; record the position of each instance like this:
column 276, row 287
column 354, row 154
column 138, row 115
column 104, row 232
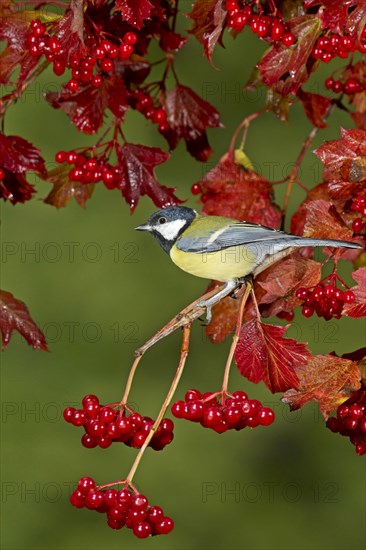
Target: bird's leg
column 208, row 304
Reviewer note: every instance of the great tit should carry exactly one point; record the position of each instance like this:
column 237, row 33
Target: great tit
column 224, row 249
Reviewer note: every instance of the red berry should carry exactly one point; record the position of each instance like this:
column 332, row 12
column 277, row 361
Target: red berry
column 124, row 497
column 130, row 38
column 154, row 514
column 107, row 65
column 72, row 85
column 125, row 51
column 266, row 416
column 164, row 526
column 288, row 39
column 96, row 81
column 307, row 311
column 357, row 225
column 178, row 409
column 88, row 441
column 77, row 499
column 59, row 68
column 231, row 5
column 164, row 128
column 94, row 499
column 302, row 293
column 142, row 530
column 192, row 395
column 139, row 502
column 85, row 484
column 348, row 297
column 196, row 189
column 329, row 83
column 277, row 31
column 60, row 157
column 68, row 414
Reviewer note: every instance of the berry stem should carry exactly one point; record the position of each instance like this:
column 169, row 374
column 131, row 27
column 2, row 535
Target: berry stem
column 244, row 124
column 166, row 403
column 294, row 173
column 234, row 343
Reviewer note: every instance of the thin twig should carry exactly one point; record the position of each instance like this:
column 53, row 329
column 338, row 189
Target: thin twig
column 234, row 343
column 293, row 176
column 165, row 405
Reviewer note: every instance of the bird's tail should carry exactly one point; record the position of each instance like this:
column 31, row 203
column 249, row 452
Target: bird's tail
column 304, row 241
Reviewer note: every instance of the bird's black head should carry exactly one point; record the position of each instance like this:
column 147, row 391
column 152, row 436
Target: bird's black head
column 166, row 225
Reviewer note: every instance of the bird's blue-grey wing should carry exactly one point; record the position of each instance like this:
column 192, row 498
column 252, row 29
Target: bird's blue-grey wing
column 236, row 234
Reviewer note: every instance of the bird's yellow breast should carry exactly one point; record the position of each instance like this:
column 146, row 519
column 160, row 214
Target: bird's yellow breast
column 224, row 265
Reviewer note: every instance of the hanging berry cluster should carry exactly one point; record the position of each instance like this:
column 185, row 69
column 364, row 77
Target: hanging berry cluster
column 271, row 28
column 236, row 412
column 351, row 420
column 104, row 425
column 326, row 300
column 123, row 508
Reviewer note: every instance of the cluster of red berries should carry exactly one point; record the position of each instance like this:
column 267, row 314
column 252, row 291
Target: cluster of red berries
column 326, row 300
column 329, row 47
column 2, row 174
column 237, row 411
column 88, row 169
column 351, row 420
column 103, row 425
column 123, row 508
column 269, row 27
column 102, row 58
column 144, row 103
column 350, row 86
column 359, row 205
column 40, row 43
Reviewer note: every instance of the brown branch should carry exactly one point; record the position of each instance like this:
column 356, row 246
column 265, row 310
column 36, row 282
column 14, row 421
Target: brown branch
column 182, row 319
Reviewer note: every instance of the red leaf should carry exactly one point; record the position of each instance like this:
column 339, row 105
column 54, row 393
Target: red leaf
column 327, row 379
column 171, row 41
column 209, row 22
column 70, row 30
column 18, row 155
column 136, row 166
column 356, row 20
column 189, row 116
column 263, row 354
column 64, row 189
column 15, row 188
column 235, row 192
column 358, row 308
column 86, row 108
column 224, row 318
column 333, row 14
column 322, row 221
column 283, row 279
column 298, row 220
column 315, row 107
column 14, row 315
column 285, row 69
column 14, row 28
column 340, row 155
column 134, row 11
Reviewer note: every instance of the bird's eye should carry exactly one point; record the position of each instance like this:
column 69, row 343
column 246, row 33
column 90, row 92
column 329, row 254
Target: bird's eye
column 162, row 220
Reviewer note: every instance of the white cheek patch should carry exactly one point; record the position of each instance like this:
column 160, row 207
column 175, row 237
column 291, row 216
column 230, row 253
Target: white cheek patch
column 170, row 230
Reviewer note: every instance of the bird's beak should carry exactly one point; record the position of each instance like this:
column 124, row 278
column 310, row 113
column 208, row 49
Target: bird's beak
column 143, row 227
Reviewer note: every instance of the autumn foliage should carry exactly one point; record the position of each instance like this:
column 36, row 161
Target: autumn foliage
column 100, row 52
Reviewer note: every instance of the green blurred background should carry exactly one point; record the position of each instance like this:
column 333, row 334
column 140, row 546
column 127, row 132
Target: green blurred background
column 99, row 290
